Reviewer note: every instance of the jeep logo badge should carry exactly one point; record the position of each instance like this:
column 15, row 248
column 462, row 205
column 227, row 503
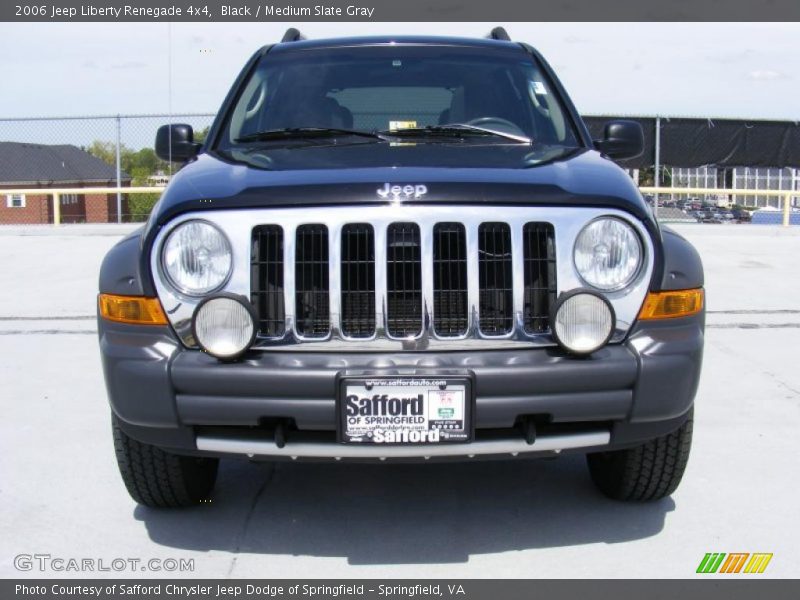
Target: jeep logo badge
column 402, row 192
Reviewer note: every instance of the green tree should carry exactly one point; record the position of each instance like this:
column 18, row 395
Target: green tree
column 105, row 151
column 133, row 162
column 200, row 136
column 140, row 205
column 143, row 159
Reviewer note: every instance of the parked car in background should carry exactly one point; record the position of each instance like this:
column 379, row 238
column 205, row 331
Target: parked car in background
column 741, row 215
column 708, row 216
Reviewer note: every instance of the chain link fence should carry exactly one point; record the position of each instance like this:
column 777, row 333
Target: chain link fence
column 736, row 195
column 84, row 153
column 101, row 152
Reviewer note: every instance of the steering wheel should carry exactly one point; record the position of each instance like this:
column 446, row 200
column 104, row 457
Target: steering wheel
column 504, row 123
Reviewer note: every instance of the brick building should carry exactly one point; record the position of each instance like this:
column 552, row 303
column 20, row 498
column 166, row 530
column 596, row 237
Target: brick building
column 28, row 166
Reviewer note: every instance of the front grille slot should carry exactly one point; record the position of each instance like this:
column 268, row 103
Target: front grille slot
column 312, row 312
column 539, row 246
column 358, row 280
column 403, row 280
column 266, row 272
column 496, row 314
column 450, row 312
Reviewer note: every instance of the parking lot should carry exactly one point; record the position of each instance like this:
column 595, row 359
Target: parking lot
column 60, row 493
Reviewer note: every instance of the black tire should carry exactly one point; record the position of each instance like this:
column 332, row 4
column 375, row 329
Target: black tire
column 648, row 472
column 160, row 479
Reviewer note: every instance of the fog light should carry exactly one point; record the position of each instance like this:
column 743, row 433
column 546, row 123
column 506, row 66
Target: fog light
column 583, row 321
column 224, row 325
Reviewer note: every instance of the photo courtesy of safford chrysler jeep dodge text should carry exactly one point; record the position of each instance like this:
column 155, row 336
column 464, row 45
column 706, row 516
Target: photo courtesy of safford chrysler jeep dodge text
column 400, row 249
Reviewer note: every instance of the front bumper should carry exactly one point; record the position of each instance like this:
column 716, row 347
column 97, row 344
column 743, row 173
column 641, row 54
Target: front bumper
column 282, row 404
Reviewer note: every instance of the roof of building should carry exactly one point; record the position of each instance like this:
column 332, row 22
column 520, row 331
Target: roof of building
column 40, row 163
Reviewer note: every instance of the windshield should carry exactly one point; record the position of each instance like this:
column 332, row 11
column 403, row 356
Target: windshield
column 399, row 89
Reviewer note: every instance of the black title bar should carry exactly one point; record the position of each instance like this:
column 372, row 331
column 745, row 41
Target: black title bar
column 495, row 11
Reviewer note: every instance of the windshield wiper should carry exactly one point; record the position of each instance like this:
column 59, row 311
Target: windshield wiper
column 288, row 133
column 454, row 130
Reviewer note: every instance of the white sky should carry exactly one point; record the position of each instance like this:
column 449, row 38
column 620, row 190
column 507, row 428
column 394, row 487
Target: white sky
column 720, row 69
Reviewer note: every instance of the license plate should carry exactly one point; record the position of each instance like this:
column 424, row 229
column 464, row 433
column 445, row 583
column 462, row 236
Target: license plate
column 405, row 410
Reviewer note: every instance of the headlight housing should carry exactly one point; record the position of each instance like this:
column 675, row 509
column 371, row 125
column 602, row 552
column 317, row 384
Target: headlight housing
column 196, row 258
column 608, row 254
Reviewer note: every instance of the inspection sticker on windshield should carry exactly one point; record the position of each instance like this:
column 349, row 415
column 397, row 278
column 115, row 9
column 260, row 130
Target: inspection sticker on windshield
column 395, row 125
column 538, row 88
column 404, row 410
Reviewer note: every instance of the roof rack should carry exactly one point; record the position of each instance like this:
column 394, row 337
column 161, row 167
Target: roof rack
column 499, row 33
column 292, row 35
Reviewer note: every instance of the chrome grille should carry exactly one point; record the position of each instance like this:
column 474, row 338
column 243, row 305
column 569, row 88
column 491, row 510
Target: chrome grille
column 434, row 263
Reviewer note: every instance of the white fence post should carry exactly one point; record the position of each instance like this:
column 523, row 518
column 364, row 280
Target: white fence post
column 119, row 169
column 787, row 209
column 56, row 208
column 657, row 168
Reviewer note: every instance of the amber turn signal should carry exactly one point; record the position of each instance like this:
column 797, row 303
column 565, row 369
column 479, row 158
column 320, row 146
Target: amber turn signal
column 669, row 305
column 135, row 310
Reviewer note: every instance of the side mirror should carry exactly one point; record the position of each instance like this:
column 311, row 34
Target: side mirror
column 176, row 143
column 621, row 139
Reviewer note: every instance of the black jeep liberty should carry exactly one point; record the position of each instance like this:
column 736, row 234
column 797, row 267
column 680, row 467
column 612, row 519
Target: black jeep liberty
column 400, row 248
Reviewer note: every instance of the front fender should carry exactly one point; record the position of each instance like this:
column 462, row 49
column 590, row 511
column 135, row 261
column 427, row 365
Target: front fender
column 683, row 268
column 121, row 271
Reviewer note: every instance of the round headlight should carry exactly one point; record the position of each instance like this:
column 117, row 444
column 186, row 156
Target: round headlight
column 583, row 321
column 608, row 254
column 224, row 325
column 197, row 258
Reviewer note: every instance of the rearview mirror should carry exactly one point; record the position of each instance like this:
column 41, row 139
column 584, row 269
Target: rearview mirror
column 176, row 143
column 621, row 139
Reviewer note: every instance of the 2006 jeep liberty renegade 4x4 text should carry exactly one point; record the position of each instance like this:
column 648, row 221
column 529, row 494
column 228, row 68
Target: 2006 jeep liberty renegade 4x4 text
column 400, row 249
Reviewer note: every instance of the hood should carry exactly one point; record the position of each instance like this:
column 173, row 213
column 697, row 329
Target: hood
column 351, row 174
